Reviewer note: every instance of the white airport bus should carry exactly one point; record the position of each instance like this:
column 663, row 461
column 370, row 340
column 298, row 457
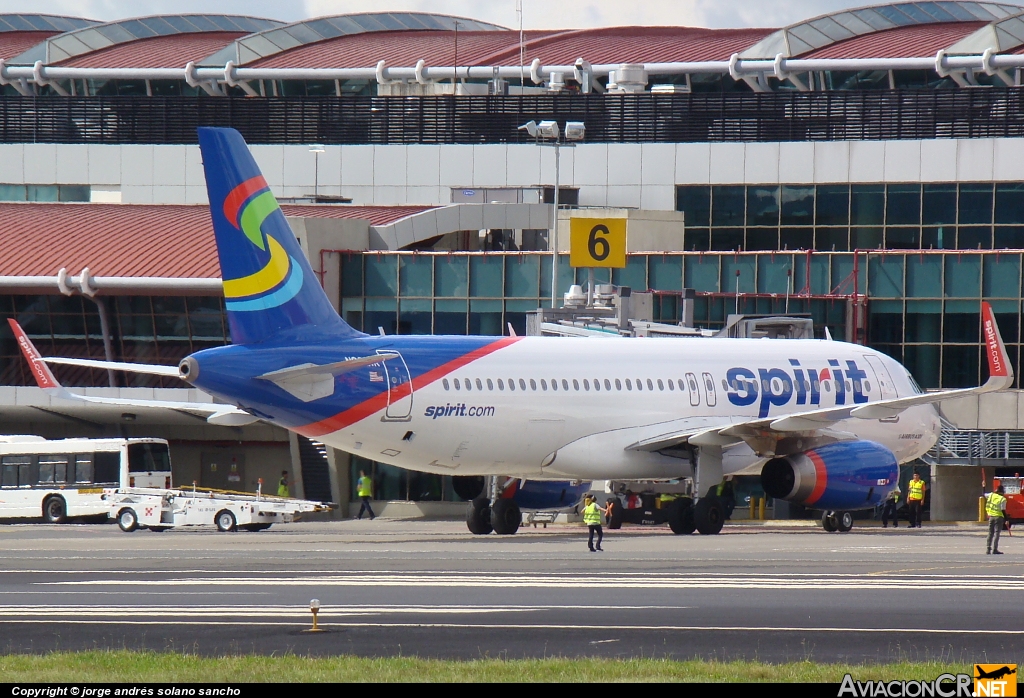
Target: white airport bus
column 64, row 478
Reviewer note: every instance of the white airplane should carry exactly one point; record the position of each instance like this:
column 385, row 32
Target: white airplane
column 825, row 423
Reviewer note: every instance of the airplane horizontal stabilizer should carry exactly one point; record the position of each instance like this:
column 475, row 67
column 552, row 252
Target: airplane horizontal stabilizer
column 219, row 414
column 309, row 382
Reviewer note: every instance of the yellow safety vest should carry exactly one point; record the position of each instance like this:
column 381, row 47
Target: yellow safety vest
column 915, row 490
column 282, row 489
column 365, row 487
column 592, row 515
column 993, row 504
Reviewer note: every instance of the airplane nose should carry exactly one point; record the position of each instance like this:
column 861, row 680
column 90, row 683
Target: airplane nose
column 188, row 369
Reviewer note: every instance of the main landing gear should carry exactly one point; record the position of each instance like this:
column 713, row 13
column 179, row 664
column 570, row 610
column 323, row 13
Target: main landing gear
column 487, row 514
column 837, row 521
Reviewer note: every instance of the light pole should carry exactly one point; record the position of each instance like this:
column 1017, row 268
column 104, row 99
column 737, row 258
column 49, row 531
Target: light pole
column 316, row 150
column 548, row 133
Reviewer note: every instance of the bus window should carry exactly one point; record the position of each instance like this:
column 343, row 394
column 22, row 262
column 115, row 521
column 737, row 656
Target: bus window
column 52, row 469
column 148, row 458
column 18, row 471
column 107, row 467
column 83, row 468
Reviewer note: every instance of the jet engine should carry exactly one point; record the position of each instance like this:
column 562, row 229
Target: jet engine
column 848, row 475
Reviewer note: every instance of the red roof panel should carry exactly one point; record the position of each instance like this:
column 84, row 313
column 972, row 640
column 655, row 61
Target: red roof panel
column 902, row 42
column 618, row 44
column 16, row 43
column 133, row 240
column 172, row 51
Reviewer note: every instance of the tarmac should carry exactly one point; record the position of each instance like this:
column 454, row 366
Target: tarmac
column 770, row 591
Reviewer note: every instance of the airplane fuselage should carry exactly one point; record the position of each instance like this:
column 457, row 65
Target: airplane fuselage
column 558, row 408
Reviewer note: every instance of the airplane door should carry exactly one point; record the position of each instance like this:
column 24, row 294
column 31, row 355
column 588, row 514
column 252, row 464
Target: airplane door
column 885, row 384
column 709, row 386
column 400, row 389
column 691, row 383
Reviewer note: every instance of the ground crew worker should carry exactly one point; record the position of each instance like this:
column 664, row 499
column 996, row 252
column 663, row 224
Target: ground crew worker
column 282, row 485
column 915, row 498
column 890, row 508
column 364, row 488
column 592, row 518
column 995, row 507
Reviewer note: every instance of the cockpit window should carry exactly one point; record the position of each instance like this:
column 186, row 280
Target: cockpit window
column 914, row 385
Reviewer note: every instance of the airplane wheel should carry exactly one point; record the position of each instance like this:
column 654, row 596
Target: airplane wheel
column 128, row 520
column 830, row 522
column 681, row 521
column 844, row 521
column 478, row 517
column 506, row 517
column 709, row 516
column 616, row 515
column 225, row 521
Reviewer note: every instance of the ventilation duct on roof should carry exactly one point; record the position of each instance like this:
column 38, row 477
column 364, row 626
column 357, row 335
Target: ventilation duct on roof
column 628, row 78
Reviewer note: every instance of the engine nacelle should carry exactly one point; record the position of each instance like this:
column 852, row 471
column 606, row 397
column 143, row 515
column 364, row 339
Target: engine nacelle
column 843, row 476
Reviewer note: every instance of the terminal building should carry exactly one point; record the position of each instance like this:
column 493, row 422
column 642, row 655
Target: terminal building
column 865, row 168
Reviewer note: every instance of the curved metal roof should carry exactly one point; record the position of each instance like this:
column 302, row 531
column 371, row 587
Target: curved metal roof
column 273, row 41
column 91, row 38
column 813, row 34
column 42, row 23
column 1002, row 35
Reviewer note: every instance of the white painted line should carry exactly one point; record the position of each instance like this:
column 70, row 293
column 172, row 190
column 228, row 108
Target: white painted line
column 902, row 632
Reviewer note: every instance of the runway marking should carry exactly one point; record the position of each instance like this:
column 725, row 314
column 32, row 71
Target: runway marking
column 902, row 631
column 560, row 581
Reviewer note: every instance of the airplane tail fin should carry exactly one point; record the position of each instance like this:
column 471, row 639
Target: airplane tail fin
column 269, row 286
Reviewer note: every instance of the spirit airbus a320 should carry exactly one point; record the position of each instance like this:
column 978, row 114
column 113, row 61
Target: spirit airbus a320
column 825, row 423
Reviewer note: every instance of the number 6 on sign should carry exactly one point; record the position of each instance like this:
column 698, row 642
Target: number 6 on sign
column 597, row 242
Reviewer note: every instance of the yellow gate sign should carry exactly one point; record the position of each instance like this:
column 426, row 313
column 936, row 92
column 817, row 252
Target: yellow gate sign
column 597, row 242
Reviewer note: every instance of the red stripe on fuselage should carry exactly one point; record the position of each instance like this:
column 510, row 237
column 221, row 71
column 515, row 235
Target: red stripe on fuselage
column 238, row 196
column 380, row 402
column 820, row 478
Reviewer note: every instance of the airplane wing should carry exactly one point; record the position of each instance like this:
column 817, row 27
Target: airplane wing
column 218, row 414
column 758, row 432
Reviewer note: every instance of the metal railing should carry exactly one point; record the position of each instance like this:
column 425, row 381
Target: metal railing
column 631, row 118
column 964, row 447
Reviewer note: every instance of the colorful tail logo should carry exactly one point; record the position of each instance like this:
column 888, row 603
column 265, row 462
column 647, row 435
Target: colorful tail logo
column 280, row 280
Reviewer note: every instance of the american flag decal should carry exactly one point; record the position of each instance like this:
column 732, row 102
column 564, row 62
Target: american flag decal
column 376, row 377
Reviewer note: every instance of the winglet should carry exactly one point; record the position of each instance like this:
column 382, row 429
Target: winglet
column 44, row 377
column 1000, row 371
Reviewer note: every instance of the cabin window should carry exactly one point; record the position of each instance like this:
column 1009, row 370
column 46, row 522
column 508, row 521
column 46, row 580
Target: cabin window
column 586, row 384
column 867, row 386
column 522, row 384
column 576, row 385
column 671, row 385
column 629, row 384
column 618, row 384
column 709, row 384
column 639, row 384
column 501, row 384
column 533, row 384
column 826, row 386
column 479, row 384
column 725, row 385
column 849, row 387
column 650, row 384
column 444, row 382
column 565, row 385
column 468, row 383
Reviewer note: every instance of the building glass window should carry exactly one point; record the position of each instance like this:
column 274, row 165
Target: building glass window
column 695, row 202
column 938, row 204
column 797, row 205
column 1010, row 203
column 903, row 204
column 763, row 206
column 727, row 207
column 975, row 204
column 867, row 204
column 832, row 205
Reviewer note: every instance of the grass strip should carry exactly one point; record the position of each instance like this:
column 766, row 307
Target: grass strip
column 169, row 667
